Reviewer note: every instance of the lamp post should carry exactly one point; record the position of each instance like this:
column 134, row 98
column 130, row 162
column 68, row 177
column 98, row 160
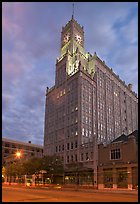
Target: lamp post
column 18, row 156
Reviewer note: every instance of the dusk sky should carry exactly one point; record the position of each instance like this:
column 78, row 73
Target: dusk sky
column 31, row 33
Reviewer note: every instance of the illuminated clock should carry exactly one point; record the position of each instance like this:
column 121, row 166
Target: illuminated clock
column 78, row 38
column 66, row 37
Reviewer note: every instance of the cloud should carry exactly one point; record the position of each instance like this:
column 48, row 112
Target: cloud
column 130, row 31
column 31, row 42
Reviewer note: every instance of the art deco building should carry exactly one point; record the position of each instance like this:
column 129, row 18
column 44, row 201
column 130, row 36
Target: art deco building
column 89, row 104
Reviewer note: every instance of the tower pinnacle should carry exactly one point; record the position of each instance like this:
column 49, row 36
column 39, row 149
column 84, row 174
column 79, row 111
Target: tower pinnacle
column 72, row 10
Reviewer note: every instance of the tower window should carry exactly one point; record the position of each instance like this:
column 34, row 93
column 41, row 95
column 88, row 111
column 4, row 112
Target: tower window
column 67, row 159
column 62, row 147
column 76, row 144
column 87, row 156
column 72, row 145
column 72, row 158
column 82, row 157
column 68, row 146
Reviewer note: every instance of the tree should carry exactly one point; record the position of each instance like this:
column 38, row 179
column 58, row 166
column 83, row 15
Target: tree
column 32, row 165
column 52, row 164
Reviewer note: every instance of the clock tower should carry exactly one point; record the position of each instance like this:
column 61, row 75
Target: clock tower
column 72, row 37
column 72, row 53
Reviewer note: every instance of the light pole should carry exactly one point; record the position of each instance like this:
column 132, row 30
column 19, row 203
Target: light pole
column 18, row 156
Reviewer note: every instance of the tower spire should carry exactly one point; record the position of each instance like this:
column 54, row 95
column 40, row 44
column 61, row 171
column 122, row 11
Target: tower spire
column 73, row 10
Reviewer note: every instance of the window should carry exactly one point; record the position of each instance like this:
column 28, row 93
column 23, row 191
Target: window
column 72, row 145
column 87, row 156
column 67, row 159
column 63, row 147
column 6, row 145
column 7, row 151
column 82, row 158
column 115, row 154
column 13, row 146
column 68, row 146
column 72, row 158
column 75, row 144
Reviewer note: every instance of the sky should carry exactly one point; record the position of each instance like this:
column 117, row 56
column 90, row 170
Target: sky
column 31, row 33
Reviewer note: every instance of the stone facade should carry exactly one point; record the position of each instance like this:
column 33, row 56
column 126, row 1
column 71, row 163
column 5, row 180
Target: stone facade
column 88, row 105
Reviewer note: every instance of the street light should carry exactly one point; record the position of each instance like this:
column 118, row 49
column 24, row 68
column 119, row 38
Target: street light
column 18, row 154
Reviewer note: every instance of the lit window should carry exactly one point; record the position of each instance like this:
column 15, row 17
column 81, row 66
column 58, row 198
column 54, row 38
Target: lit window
column 83, row 131
column 101, row 126
column 115, row 93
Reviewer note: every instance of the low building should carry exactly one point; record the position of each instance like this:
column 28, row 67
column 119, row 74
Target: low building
column 25, row 150
column 118, row 163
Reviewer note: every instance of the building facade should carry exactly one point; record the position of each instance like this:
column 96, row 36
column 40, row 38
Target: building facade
column 27, row 150
column 118, row 166
column 88, row 105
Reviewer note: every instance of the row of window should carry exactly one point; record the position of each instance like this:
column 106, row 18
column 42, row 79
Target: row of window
column 8, row 151
column 20, row 147
column 69, row 146
column 73, row 158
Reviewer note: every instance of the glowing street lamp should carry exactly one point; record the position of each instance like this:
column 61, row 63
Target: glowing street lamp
column 18, row 154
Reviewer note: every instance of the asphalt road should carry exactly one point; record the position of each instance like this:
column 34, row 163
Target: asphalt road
column 28, row 194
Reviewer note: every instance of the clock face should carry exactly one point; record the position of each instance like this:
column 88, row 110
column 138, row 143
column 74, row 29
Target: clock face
column 78, row 38
column 66, row 37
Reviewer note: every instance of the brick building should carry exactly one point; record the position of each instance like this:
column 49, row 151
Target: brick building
column 88, row 105
column 118, row 163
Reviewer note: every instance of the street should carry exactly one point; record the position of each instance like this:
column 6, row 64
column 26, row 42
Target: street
column 29, row 194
